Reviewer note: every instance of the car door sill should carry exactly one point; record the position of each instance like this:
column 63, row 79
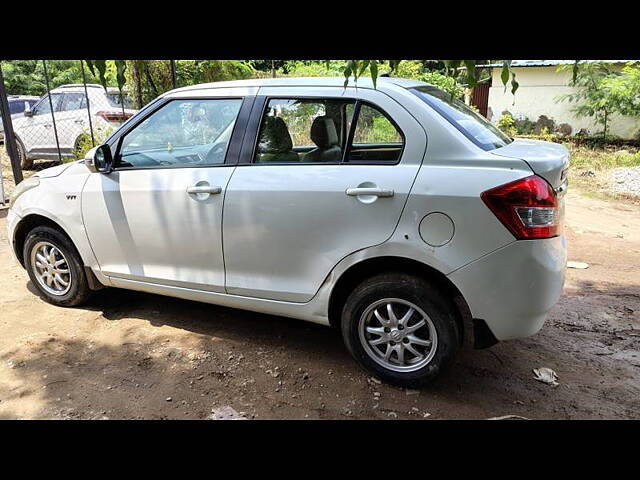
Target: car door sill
column 303, row 311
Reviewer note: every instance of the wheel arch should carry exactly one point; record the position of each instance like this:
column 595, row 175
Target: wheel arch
column 366, row 268
column 28, row 223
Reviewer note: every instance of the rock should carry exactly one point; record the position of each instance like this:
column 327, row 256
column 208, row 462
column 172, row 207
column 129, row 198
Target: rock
column 579, row 265
column 168, row 399
column 546, row 375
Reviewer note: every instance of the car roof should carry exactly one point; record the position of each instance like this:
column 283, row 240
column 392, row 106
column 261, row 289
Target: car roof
column 363, row 82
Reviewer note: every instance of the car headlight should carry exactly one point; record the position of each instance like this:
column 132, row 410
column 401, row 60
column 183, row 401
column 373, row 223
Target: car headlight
column 23, row 186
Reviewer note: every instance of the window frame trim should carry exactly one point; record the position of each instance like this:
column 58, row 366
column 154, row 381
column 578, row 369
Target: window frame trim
column 255, row 133
column 235, row 142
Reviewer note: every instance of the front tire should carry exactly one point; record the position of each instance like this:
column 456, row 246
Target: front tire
column 55, row 267
column 400, row 328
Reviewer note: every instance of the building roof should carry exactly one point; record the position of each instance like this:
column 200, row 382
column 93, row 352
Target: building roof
column 549, row 63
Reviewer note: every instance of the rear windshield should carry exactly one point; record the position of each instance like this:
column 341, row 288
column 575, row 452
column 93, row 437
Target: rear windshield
column 473, row 125
column 114, row 100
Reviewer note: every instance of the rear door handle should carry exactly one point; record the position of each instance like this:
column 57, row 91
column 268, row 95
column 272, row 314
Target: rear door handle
column 378, row 192
column 195, row 189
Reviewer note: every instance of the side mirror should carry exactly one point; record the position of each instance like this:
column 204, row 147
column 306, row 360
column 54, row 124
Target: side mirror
column 27, row 110
column 99, row 159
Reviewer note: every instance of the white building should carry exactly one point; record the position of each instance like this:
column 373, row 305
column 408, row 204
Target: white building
column 541, row 83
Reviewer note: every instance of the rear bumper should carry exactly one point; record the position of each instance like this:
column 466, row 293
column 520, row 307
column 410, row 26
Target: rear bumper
column 513, row 288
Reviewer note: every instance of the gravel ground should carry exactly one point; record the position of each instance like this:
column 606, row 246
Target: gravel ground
column 626, row 180
column 133, row 355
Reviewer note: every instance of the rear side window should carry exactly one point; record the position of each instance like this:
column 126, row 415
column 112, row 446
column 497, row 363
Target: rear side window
column 182, row 133
column 115, row 100
column 375, row 138
column 473, row 125
column 73, row 101
column 303, row 130
column 322, row 130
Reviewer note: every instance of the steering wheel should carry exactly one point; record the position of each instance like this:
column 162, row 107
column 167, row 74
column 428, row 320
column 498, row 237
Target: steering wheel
column 216, row 154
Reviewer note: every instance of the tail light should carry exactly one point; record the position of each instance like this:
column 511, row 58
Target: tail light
column 528, row 207
column 114, row 115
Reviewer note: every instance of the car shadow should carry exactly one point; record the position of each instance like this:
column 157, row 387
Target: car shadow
column 147, row 348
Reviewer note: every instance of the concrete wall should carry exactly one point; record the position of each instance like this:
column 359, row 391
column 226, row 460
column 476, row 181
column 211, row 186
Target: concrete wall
column 539, row 88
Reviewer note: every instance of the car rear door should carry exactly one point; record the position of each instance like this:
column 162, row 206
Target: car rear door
column 72, row 120
column 287, row 223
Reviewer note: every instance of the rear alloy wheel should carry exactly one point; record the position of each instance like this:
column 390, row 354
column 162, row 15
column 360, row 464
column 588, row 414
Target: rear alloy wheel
column 400, row 328
column 55, row 267
column 398, row 335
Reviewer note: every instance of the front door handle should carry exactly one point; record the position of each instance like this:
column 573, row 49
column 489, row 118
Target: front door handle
column 210, row 189
column 375, row 191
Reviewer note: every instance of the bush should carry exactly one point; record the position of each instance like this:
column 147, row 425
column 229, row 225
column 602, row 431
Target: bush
column 507, row 124
column 84, row 143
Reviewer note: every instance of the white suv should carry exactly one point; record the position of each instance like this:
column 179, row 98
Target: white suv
column 35, row 130
column 395, row 214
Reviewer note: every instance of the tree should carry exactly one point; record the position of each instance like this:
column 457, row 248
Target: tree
column 602, row 92
column 26, row 77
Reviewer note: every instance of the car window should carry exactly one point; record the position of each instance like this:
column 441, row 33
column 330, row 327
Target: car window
column 181, row 133
column 73, row 101
column 16, row 106
column 116, row 101
column 302, row 130
column 471, row 124
column 44, row 106
column 375, row 138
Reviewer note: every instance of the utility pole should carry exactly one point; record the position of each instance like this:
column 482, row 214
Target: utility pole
column 9, row 137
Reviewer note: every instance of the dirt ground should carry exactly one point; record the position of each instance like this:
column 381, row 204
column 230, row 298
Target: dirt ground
column 133, row 355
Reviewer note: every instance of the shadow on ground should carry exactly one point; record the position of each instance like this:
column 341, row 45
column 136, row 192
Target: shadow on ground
column 148, row 356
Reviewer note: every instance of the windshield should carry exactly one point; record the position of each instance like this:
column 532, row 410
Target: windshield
column 473, row 125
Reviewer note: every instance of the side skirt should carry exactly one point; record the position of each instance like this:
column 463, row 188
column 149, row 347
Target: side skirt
column 302, row 311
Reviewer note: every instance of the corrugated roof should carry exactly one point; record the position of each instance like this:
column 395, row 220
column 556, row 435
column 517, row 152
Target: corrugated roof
column 549, row 63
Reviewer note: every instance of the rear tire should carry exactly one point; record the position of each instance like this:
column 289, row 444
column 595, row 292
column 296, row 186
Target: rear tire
column 55, row 267
column 25, row 164
column 409, row 347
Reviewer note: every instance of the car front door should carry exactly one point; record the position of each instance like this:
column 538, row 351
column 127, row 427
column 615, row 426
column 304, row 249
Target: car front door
column 299, row 202
column 157, row 217
column 37, row 132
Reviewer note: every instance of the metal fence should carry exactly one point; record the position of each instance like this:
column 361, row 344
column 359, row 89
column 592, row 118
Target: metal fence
column 51, row 120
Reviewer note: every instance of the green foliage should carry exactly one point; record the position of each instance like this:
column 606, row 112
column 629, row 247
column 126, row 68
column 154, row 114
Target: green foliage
column 602, row 91
column 147, row 79
column 26, row 77
column 84, row 143
column 312, row 68
column 507, row 124
column 584, row 157
column 448, row 84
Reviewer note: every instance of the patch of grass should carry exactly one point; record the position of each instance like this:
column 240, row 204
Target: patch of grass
column 606, row 158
